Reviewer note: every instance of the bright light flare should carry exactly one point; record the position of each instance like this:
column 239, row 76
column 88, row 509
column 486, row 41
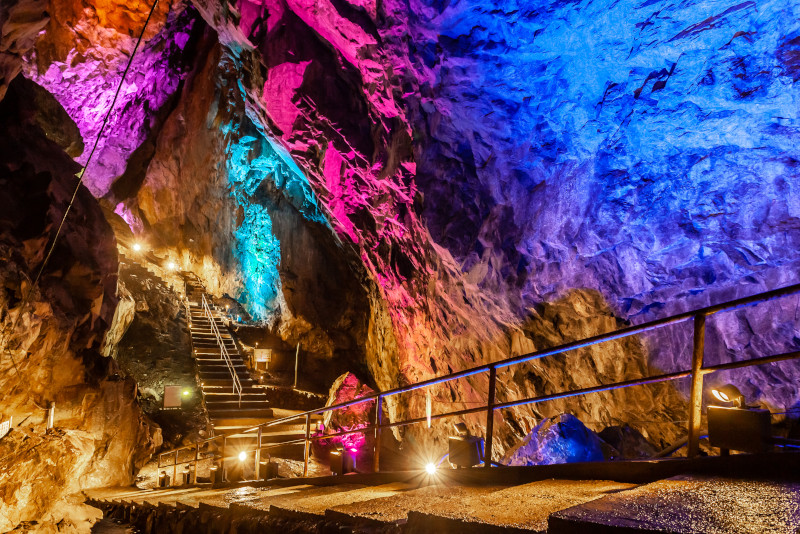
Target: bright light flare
column 186, row 392
column 137, row 247
column 171, row 266
column 242, row 456
column 430, row 468
column 721, row 396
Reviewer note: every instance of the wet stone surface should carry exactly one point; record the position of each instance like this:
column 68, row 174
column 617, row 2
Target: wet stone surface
column 692, row 505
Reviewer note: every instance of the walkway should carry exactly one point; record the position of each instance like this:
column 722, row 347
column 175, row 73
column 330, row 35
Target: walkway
column 418, row 504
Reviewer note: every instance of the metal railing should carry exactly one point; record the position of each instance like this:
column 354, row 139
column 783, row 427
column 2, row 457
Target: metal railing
column 237, row 384
column 696, row 373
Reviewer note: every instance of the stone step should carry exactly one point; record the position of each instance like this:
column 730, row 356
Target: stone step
column 244, row 422
column 234, row 404
column 233, row 397
column 261, row 412
column 225, row 383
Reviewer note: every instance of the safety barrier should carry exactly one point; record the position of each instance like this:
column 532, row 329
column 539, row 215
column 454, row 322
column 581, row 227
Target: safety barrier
column 696, row 373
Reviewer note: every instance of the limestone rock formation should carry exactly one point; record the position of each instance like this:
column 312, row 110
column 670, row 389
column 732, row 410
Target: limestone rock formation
column 51, row 336
column 557, row 440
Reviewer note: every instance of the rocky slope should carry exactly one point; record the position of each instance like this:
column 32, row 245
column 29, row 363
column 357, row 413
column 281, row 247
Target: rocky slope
column 51, row 345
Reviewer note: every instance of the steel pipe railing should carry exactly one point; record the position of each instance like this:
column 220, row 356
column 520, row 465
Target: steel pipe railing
column 237, row 384
column 696, row 373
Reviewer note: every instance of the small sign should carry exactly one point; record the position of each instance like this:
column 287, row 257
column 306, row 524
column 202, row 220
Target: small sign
column 263, row 355
column 172, row 397
column 5, row 427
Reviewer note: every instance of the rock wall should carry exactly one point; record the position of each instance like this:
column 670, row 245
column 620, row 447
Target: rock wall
column 492, row 179
column 51, row 345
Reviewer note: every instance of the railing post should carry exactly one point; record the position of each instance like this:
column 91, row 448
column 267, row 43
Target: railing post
column 307, row 445
column 175, row 469
column 196, row 461
column 258, row 455
column 376, row 454
column 224, row 440
column 696, row 396
column 487, row 452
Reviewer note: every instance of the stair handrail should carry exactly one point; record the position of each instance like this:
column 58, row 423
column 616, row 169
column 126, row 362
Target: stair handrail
column 237, row 384
column 697, row 372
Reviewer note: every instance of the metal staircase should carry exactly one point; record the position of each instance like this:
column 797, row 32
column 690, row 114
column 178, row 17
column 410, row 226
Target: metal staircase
column 232, row 399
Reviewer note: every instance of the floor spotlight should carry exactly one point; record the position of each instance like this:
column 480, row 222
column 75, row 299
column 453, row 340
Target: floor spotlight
column 465, row 450
column 733, row 425
column 430, row 468
column 729, row 394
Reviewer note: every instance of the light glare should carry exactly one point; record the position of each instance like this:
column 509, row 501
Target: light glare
column 430, row 467
column 242, row 456
column 137, row 247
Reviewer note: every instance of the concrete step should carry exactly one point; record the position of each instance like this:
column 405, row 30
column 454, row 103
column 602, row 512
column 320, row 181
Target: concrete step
column 231, row 422
column 206, row 376
column 225, row 383
column 234, row 404
column 211, row 396
column 261, row 412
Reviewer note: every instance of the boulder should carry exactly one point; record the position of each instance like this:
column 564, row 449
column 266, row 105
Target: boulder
column 557, row 440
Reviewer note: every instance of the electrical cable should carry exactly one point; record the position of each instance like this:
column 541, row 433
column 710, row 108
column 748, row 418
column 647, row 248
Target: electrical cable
column 27, row 297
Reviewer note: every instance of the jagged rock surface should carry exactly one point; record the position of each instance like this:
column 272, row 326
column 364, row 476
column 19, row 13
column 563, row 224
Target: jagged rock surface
column 497, row 178
column 101, row 436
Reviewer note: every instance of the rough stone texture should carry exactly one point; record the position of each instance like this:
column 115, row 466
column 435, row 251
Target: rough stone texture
column 51, row 346
column 557, row 440
column 499, row 178
column 344, row 389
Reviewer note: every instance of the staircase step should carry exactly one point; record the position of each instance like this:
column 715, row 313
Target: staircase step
column 225, row 383
column 245, row 422
column 234, row 404
column 228, row 397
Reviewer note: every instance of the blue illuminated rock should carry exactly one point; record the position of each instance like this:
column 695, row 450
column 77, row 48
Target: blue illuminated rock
column 557, row 440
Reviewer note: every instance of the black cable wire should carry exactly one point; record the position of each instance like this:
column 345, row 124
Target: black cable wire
column 27, row 297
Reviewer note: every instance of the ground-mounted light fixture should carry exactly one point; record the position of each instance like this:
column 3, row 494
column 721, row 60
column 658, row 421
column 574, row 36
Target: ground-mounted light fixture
column 733, row 425
column 430, row 468
column 730, row 395
column 187, row 474
column 343, row 460
column 465, row 450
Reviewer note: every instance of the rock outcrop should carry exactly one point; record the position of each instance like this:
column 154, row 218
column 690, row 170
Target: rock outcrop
column 52, row 334
column 557, row 440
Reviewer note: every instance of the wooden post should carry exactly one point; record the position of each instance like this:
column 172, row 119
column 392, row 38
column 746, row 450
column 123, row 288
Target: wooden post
column 376, row 454
column 487, row 452
column 696, row 398
column 196, row 461
column 296, row 363
column 175, row 469
column 258, row 455
column 222, row 467
column 308, row 443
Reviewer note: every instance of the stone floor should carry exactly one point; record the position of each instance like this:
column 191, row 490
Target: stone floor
column 680, row 504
